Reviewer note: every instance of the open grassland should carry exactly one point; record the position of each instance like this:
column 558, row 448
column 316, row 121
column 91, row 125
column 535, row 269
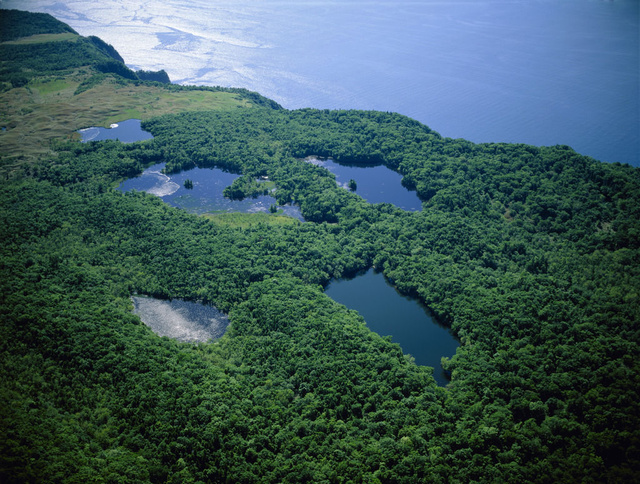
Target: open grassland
column 50, row 86
column 48, row 109
column 247, row 220
column 41, row 38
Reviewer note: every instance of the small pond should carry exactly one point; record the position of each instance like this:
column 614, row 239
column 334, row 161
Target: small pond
column 127, row 131
column 387, row 312
column 205, row 196
column 375, row 183
column 181, row 320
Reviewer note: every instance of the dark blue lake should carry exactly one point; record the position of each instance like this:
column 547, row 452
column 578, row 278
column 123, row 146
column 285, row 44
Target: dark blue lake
column 387, row 312
column 208, row 183
column 376, row 184
column 205, row 196
column 127, row 131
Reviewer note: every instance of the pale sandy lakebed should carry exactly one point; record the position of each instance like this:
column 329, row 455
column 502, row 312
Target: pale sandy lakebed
column 182, row 320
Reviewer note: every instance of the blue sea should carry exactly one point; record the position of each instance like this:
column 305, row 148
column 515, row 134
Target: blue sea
column 542, row 72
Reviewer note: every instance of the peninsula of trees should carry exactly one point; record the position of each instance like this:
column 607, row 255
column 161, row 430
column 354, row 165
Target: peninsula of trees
column 530, row 254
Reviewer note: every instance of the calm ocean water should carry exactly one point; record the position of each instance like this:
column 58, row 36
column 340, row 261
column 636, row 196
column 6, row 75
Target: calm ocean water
column 542, row 72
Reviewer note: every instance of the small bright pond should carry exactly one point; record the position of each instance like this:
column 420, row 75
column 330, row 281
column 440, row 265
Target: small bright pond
column 375, row 183
column 127, row 131
column 181, row 320
column 387, row 312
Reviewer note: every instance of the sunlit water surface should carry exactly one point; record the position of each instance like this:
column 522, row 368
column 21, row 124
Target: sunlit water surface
column 206, row 196
column 539, row 72
column 127, row 131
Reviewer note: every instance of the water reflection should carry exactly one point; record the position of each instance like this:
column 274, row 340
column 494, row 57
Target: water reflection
column 127, row 131
column 375, row 183
column 205, row 196
column 387, row 312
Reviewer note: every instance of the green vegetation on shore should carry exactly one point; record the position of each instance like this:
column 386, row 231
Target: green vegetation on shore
column 248, row 220
column 530, row 254
column 54, row 82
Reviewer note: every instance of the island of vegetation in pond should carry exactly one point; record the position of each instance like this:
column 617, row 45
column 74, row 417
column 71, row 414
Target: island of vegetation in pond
column 203, row 190
column 374, row 183
column 530, row 255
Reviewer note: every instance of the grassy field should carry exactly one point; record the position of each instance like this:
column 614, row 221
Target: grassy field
column 246, row 220
column 50, row 86
column 41, row 38
column 47, row 109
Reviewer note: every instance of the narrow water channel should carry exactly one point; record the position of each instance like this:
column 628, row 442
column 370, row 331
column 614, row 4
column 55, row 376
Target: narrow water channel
column 407, row 321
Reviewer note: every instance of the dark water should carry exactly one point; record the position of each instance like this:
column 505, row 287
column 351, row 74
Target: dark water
column 127, row 131
column 205, row 196
column 387, row 312
column 376, row 184
column 208, row 183
column 181, row 320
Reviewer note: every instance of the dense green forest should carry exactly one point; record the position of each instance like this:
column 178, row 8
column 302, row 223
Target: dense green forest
column 22, row 60
column 530, row 254
column 16, row 24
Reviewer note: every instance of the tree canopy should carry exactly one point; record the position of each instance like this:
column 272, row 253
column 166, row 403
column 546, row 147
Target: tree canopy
column 530, row 254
